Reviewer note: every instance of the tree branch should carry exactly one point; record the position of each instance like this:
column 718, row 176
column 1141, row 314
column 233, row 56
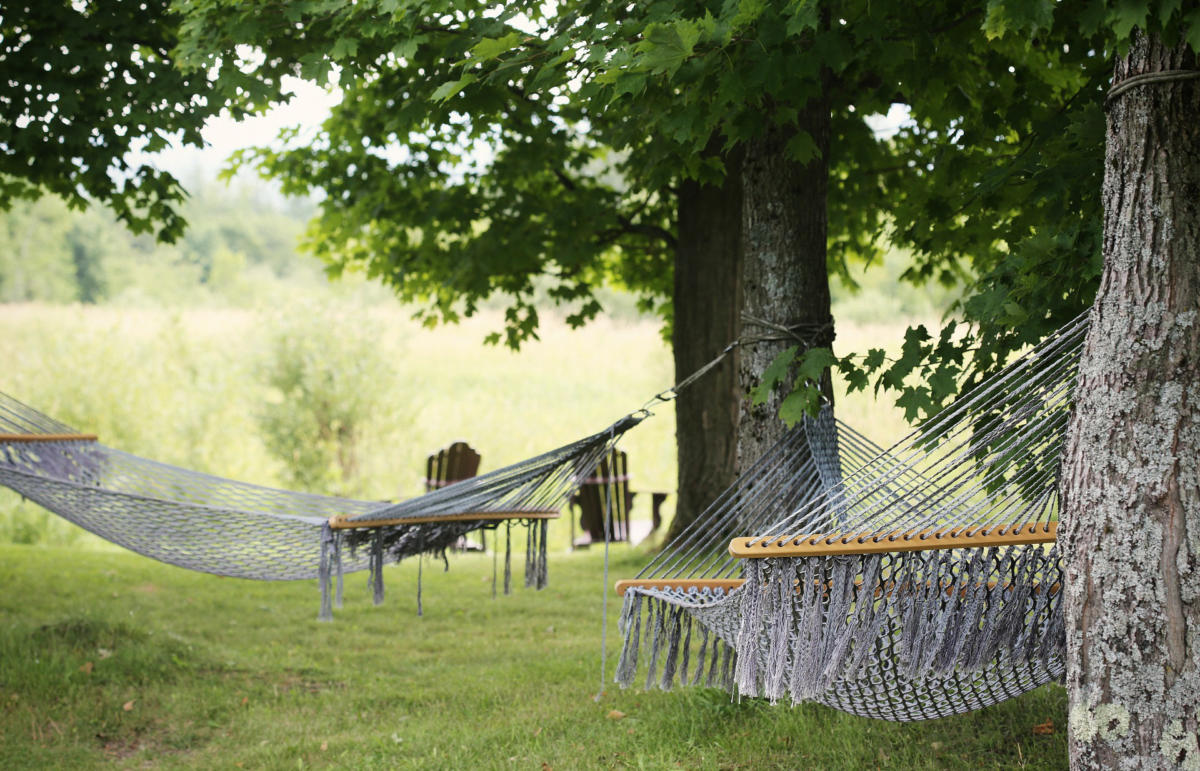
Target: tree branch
column 629, row 227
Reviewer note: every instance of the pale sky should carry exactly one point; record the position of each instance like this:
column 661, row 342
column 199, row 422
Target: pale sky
column 308, row 109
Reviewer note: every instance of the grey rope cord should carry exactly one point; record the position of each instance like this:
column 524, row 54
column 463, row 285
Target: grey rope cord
column 981, row 402
column 955, row 490
column 786, row 331
column 608, row 499
column 673, row 391
column 508, row 557
column 1147, row 78
column 685, row 556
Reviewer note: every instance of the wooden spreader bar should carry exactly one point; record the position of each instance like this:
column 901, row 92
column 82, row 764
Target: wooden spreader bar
column 728, row 584
column 817, row 544
column 15, row 438
column 339, row 521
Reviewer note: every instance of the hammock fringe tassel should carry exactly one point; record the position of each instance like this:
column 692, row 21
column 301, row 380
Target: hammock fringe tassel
column 800, row 628
column 810, row 624
column 675, row 648
column 378, row 554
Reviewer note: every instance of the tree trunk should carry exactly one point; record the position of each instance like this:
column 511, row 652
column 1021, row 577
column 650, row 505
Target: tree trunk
column 785, row 281
column 706, row 313
column 1131, row 473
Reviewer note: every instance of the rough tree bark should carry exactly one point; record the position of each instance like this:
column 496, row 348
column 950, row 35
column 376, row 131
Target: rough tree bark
column 1131, row 474
column 784, row 276
column 706, row 311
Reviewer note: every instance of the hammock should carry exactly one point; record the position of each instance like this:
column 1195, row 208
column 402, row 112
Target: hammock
column 909, row 584
column 216, row 525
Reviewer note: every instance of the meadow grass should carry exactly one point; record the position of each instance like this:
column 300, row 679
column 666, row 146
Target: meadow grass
column 186, row 387
column 108, row 659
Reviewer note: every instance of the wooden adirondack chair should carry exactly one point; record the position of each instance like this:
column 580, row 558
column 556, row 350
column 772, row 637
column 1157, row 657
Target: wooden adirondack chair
column 447, row 466
column 609, row 482
column 452, row 464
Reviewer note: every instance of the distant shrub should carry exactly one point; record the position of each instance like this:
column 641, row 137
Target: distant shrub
column 331, row 388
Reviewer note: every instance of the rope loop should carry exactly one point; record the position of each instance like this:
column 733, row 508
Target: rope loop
column 810, row 334
column 1148, row 78
column 672, row 393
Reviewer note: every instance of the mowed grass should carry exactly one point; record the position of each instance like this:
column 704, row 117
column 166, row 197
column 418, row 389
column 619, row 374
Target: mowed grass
column 108, row 659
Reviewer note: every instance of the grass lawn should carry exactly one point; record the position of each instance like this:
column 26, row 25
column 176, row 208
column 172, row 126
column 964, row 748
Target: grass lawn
column 108, row 659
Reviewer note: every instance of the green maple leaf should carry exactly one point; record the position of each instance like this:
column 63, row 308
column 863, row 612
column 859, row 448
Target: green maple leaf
column 667, row 46
column 452, row 87
column 492, row 48
column 801, row 402
column 773, row 375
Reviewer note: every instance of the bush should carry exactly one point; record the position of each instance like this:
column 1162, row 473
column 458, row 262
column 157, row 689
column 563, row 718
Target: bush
column 332, row 390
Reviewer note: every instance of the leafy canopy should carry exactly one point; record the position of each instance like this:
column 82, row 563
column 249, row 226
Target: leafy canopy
column 486, row 149
column 478, row 148
column 482, row 148
column 85, row 84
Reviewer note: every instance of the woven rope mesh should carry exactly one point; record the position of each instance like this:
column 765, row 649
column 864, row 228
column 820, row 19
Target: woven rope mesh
column 216, row 525
column 898, row 634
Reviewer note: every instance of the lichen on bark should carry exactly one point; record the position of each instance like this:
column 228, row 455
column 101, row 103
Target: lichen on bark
column 1131, row 472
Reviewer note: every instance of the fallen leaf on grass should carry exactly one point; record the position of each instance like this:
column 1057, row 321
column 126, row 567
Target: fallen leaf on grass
column 546, row 767
column 324, row 746
column 615, row 714
column 87, row 667
column 1044, row 729
column 128, row 706
column 245, row 700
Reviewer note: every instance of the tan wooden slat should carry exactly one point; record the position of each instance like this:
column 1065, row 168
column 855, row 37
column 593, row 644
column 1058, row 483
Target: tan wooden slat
column 850, row 543
column 15, row 438
column 339, row 522
column 728, row 584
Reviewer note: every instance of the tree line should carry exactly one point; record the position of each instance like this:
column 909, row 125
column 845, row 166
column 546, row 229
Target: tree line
column 56, row 254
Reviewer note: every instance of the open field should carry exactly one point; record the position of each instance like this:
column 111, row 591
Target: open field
column 111, row 660
column 187, row 388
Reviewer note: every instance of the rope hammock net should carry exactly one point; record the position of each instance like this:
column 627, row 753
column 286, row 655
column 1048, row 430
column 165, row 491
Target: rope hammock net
column 228, row 528
column 906, row 584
